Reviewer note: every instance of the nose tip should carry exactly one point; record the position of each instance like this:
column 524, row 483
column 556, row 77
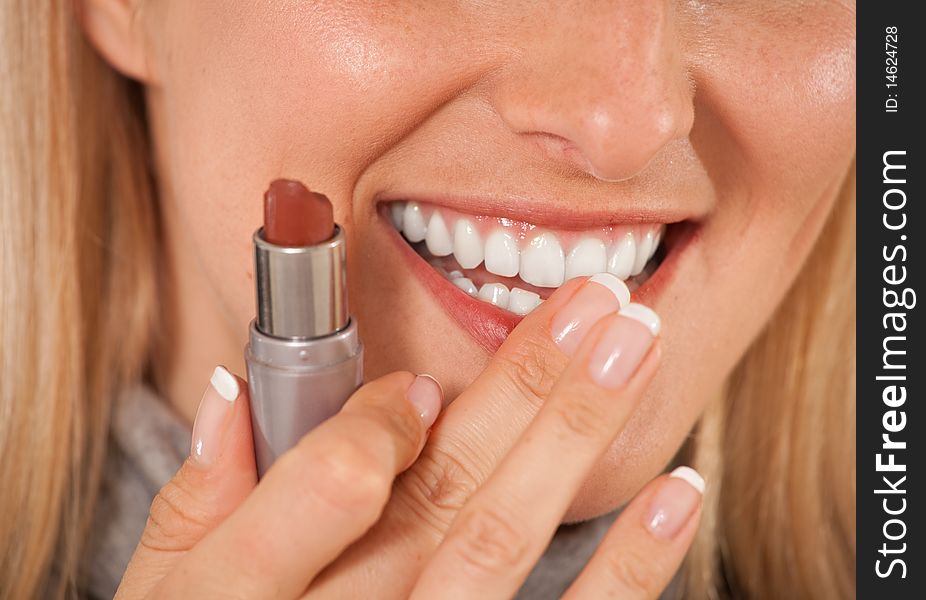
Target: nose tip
column 607, row 97
column 612, row 144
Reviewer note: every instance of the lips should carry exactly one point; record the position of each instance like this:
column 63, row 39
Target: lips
column 488, row 271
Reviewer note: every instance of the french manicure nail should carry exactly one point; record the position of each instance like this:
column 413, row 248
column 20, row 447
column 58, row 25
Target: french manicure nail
column 674, row 503
column 427, row 396
column 621, row 348
column 643, row 314
column 600, row 295
column 212, row 416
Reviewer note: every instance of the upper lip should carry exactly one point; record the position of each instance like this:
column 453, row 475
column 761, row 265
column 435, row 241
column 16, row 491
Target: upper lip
column 549, row 213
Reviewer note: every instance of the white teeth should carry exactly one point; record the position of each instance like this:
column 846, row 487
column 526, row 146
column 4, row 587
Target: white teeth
column 645, row 248
column 542, row 262
column 437, row 237
column 521, row 302
column 622, row 258
column 495, row 293
column 657, row 238
column 588, row 257
column 501, row 254
column 396, row 213
column 467, row 244
column 413, row 225
column 465, row 284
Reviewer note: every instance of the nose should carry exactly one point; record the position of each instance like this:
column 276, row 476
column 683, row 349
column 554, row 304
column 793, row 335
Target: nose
column 602, row 86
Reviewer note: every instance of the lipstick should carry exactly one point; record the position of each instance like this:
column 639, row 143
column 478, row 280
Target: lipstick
column 304, row 356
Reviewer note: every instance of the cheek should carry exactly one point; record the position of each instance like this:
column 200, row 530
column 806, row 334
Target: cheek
column 778, row 85
column 248, row 94
column 776, row 101
column 320, row 87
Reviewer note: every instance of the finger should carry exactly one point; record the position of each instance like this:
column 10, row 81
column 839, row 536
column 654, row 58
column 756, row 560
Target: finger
column 318, row 497
column 494, row 542
column 212, row 483
column 482, row 424
column 645, row 546
column 477, row 430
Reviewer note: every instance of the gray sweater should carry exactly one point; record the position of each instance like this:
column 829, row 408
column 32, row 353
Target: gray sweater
column 148, row 444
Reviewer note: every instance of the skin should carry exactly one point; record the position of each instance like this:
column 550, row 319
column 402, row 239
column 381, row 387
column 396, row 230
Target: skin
column 739, row 115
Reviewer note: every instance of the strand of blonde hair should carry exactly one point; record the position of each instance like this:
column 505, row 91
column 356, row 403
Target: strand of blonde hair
column 779, row 447
column 77, row 258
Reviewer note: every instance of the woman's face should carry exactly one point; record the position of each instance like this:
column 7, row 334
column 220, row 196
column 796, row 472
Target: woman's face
column 732, row 123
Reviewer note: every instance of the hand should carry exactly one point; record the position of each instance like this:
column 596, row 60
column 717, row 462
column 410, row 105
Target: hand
column 469, row 518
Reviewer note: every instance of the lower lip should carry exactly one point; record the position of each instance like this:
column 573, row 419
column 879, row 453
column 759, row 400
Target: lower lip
column 489, row 325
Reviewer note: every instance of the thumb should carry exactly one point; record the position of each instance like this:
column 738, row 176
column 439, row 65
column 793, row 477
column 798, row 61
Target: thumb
column 210, row 485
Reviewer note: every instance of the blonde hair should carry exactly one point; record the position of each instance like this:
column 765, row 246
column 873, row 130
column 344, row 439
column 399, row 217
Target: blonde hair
column 78, row 245
column 779, row 448
column 78, row 248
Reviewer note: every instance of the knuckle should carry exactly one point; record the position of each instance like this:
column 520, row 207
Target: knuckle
column 583, row 416
column 632, row 572
column 530, row 367
column 176, row 519
column 440, row 483
column 346, row 477
column 488, row 544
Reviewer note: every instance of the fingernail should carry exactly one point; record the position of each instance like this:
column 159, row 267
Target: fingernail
column 622, row 347
column 427, row 396
column 600, row 295
column 674, row 503
column 212, row 416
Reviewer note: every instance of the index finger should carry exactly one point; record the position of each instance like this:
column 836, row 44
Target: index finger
column 481, row 426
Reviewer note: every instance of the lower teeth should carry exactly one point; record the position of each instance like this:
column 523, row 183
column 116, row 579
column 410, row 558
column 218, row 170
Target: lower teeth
column 516, row 300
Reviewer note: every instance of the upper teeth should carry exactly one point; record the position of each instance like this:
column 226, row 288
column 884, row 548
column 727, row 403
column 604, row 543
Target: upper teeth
column 588, row 257
column 623, row 256
column 413, row 225
column 502, row 255
column 539, row 257
column 467, row 244
column 437, row 237
column 540, row 261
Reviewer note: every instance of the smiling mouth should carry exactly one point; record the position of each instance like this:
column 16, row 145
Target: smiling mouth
column 514, row 265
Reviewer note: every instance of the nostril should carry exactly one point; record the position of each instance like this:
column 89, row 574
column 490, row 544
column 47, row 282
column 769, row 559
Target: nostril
column 604, row 168
column 614, row 147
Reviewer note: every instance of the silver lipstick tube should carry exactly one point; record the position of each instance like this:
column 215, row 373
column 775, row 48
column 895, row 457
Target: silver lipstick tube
column 304, row 356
